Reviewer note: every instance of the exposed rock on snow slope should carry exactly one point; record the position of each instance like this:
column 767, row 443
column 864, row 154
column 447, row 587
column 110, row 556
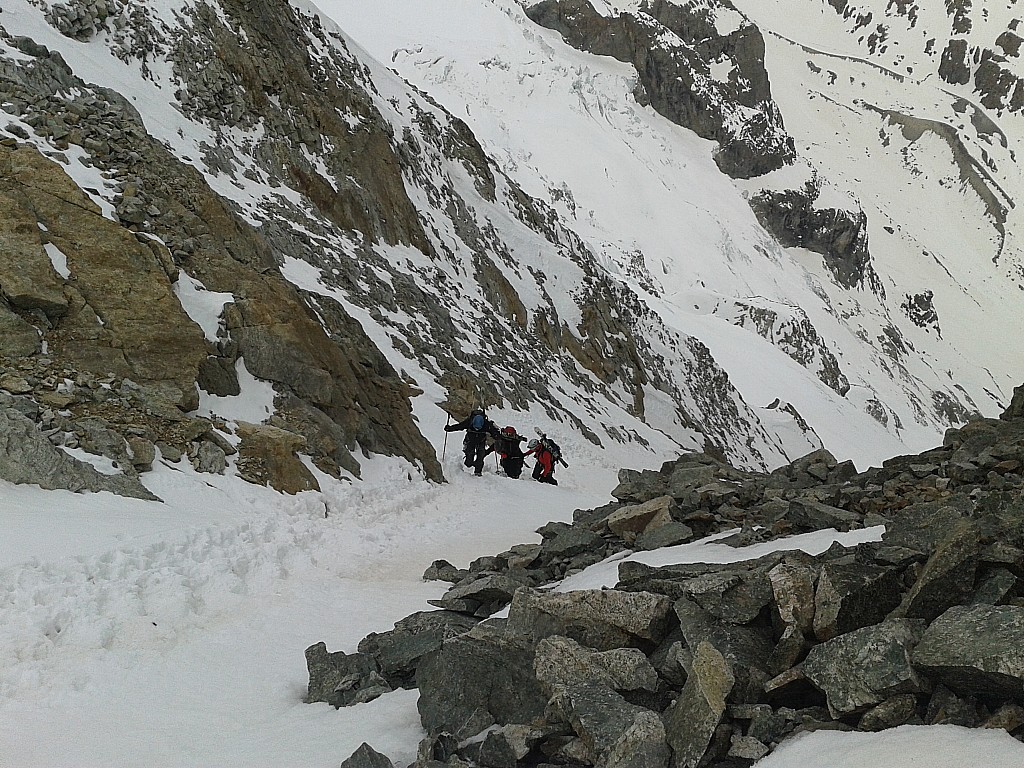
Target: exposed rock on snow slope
column 565, row 251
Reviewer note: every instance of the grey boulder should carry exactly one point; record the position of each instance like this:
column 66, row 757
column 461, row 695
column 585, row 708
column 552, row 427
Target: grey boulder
column 472, row 682
column 616, row 734
column 342, row 679
column 561, row 661
column 601, row 619
column 865, row 667
column 976, row 650
column 399, row 651
column 27, row 456
column 367, row 757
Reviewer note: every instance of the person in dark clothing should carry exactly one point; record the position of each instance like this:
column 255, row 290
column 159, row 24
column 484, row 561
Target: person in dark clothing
column 544, row 468
column 506, row 445
column 478, row 427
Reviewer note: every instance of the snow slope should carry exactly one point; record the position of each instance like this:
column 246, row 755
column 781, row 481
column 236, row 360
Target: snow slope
column 172, row 634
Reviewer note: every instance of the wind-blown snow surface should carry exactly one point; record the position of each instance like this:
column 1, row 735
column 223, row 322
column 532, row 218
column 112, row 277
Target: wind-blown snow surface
column 135, row 633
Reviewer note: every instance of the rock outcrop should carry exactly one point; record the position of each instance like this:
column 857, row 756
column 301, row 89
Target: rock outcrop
column 840, row 236
column 99, row 294
column 672, row 47
column 27, row 456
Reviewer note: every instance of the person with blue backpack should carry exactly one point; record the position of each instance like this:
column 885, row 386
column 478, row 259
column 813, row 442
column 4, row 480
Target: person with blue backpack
column 478, row 428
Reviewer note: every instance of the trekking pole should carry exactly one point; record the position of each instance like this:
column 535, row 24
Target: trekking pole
column 445, row 446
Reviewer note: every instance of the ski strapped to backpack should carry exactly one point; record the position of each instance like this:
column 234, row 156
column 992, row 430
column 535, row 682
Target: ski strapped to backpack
column 551, row 447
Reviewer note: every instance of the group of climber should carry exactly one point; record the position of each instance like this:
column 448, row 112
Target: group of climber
column 484, row 438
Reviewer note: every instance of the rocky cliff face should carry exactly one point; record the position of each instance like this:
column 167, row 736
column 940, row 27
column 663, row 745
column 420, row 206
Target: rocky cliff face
column 679, row 53
column 113, row 312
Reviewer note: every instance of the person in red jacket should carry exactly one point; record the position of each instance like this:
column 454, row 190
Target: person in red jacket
column 544, row 468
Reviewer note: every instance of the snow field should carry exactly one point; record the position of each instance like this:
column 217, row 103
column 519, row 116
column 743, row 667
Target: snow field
column 175, row 632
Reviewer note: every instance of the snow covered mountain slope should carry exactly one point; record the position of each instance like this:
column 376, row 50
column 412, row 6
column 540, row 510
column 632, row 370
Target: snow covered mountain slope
column 869, row 96
column 573, row 239
column 569, row 127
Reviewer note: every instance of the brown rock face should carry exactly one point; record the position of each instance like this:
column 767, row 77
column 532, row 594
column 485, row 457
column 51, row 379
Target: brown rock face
column 17, row 337
column 117, row 312
column 267, row 457
column 27, row 278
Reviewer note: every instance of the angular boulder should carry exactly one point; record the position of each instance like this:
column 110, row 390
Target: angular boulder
column 736, row 597
column 793, row 593
column 686, row 479
column 853, row 595
column 976, row 650
column 636, row 487
column 921, row 527
column 1015, row 410
column 948, row 577
column 805, row 514
column 571, row 542
column 472, row 682
column 630, row 521
column 668, row 535
column 342, row 679
column 863, row 668
column 481, row 596
column 601, row 619
column 399, row 651
column 367, row 757
column 561, row 662
column 746, row 649
column 504, row 746
column 616, row 734
column 996, row 588
column 690, row 723
column 267, row 456
column 890, row 713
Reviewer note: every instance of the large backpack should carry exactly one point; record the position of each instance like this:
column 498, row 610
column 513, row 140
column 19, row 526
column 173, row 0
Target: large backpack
column 552, row 447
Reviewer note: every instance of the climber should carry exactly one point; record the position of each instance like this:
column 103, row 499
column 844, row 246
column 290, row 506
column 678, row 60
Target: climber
column 506, row 445
column 547, row 454
column 478, row 427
